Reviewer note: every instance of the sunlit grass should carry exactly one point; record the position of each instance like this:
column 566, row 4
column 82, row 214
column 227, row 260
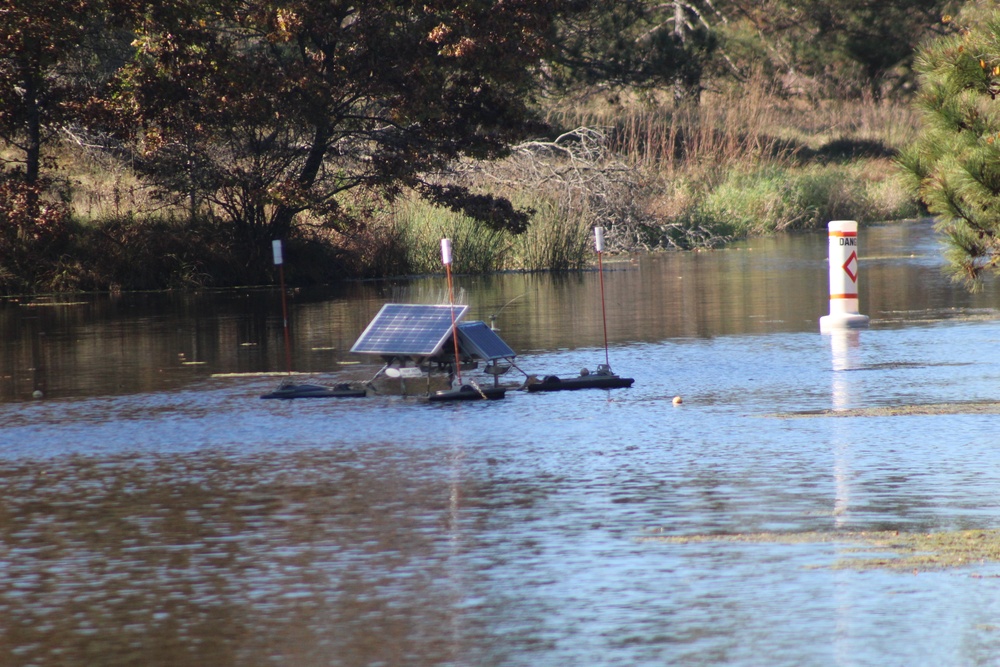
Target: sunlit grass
column 742, row 163
column 557, row 239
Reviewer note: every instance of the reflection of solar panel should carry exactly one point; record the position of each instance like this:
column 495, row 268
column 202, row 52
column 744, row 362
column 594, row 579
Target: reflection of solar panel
column 408, row 328
column 480, row 341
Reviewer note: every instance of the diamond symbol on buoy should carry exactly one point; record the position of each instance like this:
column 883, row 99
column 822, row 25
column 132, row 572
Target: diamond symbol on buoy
column 851, row 267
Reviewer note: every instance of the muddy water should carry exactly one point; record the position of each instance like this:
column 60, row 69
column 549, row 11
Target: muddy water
column 154, row 511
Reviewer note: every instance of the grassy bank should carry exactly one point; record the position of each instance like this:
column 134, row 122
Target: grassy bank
column 656, row 177
column 753, row 165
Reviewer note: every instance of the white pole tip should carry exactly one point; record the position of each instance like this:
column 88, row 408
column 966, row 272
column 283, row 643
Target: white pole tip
column 446, row 251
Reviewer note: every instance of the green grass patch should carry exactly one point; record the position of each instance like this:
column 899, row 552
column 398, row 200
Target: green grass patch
column 557, row 239
column 774, row 198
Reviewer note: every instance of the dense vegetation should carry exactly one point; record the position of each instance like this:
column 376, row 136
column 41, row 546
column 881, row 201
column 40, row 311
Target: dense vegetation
column 164, row 144
column 955, row 163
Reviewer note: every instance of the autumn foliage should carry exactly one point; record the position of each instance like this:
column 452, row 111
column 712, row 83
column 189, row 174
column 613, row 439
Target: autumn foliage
column 34, row 234
column 250, row 120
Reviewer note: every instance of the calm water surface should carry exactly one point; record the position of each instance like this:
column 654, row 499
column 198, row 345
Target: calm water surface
column 154, row 511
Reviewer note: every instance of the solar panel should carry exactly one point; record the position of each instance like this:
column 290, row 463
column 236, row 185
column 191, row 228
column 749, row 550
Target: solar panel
column 408, row 329
column 480, row 341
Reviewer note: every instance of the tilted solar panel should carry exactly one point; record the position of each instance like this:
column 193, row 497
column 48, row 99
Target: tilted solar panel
column 479, row 340
column 408, row 329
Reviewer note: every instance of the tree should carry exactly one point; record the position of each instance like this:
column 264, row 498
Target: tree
column 261, row 110
column 842, row 45
column 43, row 58
column 33, row 38
column 954, row 165
column 637, row 45
column 44, row 53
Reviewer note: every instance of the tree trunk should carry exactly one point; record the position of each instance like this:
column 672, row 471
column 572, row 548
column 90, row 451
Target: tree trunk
column 681, row 93
column 33, row 132
column 33, row 122
column 281, row 222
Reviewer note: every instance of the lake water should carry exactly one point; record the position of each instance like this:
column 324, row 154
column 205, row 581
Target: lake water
column 155, row 511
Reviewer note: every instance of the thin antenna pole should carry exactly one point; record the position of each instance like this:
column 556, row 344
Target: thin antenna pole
column 446, row 260
column 599, row 244
column 280, row 263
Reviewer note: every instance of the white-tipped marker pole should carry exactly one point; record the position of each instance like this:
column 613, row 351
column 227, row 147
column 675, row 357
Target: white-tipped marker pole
column 446, row 260
column 599, row 246
column 279, row 261
column 843, row 235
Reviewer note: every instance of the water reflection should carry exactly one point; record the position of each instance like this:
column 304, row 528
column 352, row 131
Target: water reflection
column 154, row 513
column 209, row 552
column 130, row 343
column 844, row 357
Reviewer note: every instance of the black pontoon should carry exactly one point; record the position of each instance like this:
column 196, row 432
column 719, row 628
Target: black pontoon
column 603, row 378
column 289, row 389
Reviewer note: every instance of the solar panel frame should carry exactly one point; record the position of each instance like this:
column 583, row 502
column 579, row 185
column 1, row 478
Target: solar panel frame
column 409, row 329
column 479, row 340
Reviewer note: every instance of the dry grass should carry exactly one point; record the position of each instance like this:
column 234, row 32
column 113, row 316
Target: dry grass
column 655, row 176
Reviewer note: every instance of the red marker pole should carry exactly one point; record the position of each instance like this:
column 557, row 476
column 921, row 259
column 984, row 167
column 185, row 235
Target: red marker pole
column 280, row 263
column 599, row 245
column 446, row 260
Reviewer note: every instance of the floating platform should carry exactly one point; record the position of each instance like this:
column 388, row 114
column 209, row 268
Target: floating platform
column 467, row 393
column 590, row 381
column 290, row 390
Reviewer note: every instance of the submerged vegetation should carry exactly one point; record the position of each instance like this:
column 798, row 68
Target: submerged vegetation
column 879, row 550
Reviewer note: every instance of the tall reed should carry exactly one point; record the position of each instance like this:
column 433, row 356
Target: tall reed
column 722, row 130
column 557, row 238
column 476, row 247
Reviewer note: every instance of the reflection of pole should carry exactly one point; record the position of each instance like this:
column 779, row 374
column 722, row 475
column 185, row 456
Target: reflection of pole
column 599, row 244
column 446, row 260
column 843, row 235
column 280, row 263
column 844, row 345
column 38, row 365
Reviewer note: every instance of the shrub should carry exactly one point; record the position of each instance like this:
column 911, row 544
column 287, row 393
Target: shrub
column 34, row 236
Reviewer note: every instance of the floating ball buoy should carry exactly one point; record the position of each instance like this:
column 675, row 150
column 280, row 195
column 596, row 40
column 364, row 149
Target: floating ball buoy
column 678, row 400
column 37, row 394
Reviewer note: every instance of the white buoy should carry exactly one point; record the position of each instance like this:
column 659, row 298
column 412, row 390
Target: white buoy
column 843, row 279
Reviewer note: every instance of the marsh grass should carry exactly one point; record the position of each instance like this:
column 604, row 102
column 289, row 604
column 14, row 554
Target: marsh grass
column 739, row 164
column 780, row 198
column 476, row 247
column 557, row 239
column 756, row 163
